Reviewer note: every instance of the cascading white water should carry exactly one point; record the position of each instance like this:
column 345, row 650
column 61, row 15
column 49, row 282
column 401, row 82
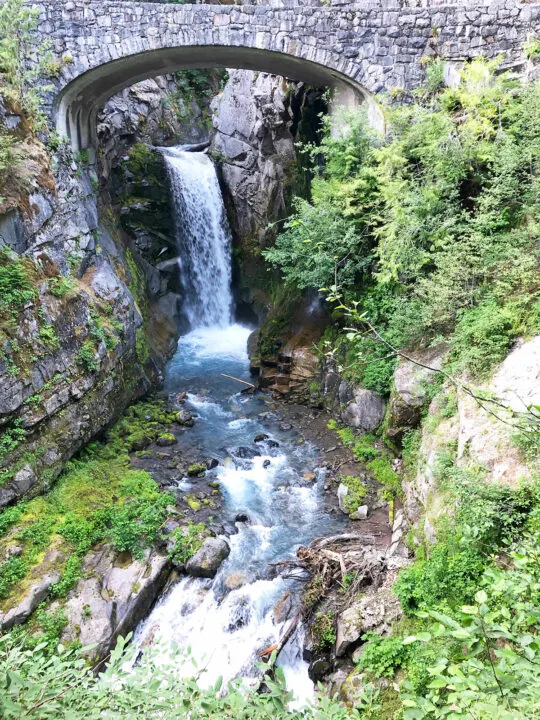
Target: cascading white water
column 227, row 621
column 203, row 237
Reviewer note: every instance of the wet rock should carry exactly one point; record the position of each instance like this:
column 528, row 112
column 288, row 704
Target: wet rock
column 352, row 689
column 196, row 469
column 230, row 529
column 336, row 680
column 206, row 561
column 285, row 426
column 365, row 411
column 245, row 453
column 242, row 517
column 184, row 418
column 309, row 477
column 283, row 608
column 166, row 440
column 235, row 580
column 319, row 668
column 272, row 443
column 267, row 463
column 260, row 437
column 211, row 463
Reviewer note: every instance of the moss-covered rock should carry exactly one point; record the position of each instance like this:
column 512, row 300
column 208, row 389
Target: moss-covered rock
column 196, row 469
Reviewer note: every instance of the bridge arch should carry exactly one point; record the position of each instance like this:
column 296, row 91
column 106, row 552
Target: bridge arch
column 78, row 102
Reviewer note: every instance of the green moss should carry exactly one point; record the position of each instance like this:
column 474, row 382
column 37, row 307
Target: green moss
column 381, row 469
column 196, row 469
column 357, row 492
column 98, row 497
column 323, row 630
column 193, row 502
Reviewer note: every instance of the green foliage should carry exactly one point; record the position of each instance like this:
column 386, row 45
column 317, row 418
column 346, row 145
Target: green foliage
column 11, row 571
column 381, row 469
column 60, row 285
column 20, row 77
column 382, row 656
column 98, row 498
column 432, row 229
column 186, row 541
column 16, row 283
column 491, row 668
column 410, row 450
column 323, row 630
column 482, row 337
column 357, row 492
column 11, row 438
column 48, row 336
column 86, row 357
column 63, row 685
column 449, row 576
column 363, row 446
column 488, row 517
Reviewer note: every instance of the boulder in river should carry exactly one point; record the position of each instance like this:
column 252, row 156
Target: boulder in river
column 185, row 418
column 208, row 558
column 245, row 453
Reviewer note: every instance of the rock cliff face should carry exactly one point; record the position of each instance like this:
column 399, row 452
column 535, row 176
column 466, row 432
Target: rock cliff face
column 255, row 149
column 477, row 435
column 257, row 120
column 88, row 318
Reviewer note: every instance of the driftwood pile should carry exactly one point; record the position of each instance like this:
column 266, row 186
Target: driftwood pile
column 347, row 562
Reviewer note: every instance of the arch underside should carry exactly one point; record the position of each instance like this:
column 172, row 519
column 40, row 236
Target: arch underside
column 78, row 103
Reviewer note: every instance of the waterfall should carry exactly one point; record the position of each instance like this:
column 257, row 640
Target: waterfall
column 203, row 238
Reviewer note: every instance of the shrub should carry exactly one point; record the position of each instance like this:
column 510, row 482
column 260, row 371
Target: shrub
column 482, row 337
column 323, row 630
column 11, row 571
column 60, row 285
column 16, row 286
column 382, row 656
column 381, row 469
column 186, row 541
column 86, row 357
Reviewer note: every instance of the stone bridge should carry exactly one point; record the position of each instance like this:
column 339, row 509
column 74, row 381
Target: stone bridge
column 360, row 49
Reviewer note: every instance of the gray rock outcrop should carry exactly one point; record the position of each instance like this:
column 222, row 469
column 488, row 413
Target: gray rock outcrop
column 410, row 391
column 206, row 561
column 254, row 146
column 365, row 411
column 115, row 593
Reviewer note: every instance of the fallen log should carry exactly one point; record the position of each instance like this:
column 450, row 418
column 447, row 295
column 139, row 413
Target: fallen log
column 245, row 382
